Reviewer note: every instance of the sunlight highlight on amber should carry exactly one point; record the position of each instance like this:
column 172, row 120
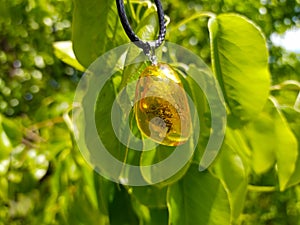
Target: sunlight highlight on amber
column 161, row 108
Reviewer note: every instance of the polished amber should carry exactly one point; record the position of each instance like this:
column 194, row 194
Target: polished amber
column 161, row 107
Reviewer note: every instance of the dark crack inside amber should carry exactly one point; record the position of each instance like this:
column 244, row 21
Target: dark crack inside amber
column 161, row 108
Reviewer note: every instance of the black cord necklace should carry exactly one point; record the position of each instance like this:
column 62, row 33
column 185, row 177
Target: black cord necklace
column 146, row 46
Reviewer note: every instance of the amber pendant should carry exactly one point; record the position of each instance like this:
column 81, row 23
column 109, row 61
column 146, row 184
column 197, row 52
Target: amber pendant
column 161, row 107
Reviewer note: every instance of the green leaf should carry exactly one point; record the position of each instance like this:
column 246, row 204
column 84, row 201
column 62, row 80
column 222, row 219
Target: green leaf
column 110, row 137
column 230, row 169
column 207, row 108
column 200, row 103
column 147, row 29
column 240, row 62
column 80, row 211
column 121, row 209
column 5, row 143
column 97, row 28
column 64, row 51
column 198, row 198
column 105, row 190
column 272, row 141
column 293, row 118
column 13, row 130
column 104, row 123
column 261, row 134
column 172, row 173
column 150, row 216
column 150, row 196
column 99, row 192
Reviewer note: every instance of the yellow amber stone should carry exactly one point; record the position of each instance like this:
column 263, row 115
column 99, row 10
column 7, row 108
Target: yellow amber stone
column 161, row 106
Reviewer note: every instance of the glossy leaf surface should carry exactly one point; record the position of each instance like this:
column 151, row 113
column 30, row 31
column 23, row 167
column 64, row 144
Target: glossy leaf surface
column 240, row 62
column 198, row 198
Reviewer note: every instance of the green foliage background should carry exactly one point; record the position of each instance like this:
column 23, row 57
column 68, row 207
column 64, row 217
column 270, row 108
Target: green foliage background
column 43, row 177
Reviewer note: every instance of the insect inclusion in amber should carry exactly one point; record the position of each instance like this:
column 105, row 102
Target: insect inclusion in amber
column 161, row 108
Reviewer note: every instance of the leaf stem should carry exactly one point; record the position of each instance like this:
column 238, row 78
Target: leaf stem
column 195, row 16
column 274, row 101
column 131, row 11
column 284, row 85
column 255, row 188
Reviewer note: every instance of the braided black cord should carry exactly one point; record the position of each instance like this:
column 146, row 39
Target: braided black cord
column 133, row 37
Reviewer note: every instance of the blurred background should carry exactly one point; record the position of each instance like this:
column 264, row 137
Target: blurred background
column 43, row 178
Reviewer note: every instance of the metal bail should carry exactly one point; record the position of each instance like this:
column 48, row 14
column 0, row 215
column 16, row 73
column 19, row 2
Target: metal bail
column 150, row 52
